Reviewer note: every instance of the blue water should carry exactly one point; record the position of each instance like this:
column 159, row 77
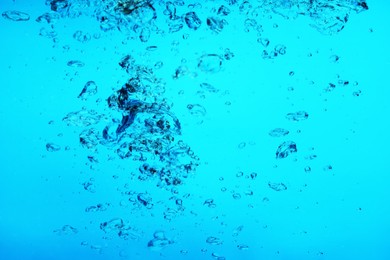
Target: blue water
column 194, row 130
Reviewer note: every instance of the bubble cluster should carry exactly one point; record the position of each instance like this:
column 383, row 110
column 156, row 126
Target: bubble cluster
column 140, row 124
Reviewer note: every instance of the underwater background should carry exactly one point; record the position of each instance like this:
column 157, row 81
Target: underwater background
column 220, row 129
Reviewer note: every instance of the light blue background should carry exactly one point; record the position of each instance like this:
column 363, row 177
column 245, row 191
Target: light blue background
column 343, row 213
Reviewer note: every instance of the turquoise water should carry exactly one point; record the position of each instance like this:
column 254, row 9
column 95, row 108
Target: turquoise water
column 194, row 130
